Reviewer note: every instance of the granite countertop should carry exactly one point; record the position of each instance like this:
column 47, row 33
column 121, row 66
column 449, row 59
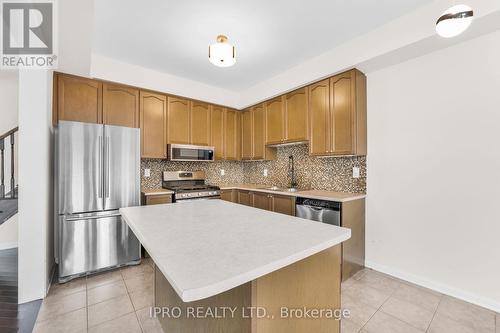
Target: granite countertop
column 311, row 194
column 206, row 247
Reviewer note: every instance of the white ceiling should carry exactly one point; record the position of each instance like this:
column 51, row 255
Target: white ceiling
column 270, row 36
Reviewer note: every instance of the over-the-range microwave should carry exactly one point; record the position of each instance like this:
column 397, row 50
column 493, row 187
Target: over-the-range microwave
column 188, row 153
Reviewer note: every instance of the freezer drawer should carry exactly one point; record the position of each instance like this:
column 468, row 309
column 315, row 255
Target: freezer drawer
column 90, row 243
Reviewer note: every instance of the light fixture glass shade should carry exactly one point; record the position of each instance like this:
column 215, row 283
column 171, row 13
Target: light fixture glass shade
column 222, row 54
column 454, row 21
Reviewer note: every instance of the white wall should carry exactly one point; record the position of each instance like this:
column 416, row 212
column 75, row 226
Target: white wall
column 76, row 24
column 433, row 183
column 8, row 233
column 412, row 30
column 113, row 70
column 35, row 184
column 8, row 120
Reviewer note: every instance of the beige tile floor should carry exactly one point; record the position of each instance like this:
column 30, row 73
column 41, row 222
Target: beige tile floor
column 380, row 303
column 116, row 301
column 119, row 301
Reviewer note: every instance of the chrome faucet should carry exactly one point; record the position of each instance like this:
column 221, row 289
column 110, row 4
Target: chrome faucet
column 291, row 172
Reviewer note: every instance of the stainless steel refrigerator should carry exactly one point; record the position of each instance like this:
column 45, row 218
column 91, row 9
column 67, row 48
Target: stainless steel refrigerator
column 97, row 172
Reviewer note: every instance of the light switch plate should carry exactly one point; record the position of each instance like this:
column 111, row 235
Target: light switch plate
column 222, row 172
column 355, row 172
column 265, row 172
column 147, row 173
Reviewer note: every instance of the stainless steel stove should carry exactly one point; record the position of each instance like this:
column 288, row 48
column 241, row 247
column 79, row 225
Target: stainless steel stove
column 189, row 185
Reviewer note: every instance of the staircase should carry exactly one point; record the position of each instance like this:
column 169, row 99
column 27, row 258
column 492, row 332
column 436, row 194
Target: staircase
column 8, row 200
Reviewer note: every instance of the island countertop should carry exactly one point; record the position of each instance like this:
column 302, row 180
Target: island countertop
column 206, row 247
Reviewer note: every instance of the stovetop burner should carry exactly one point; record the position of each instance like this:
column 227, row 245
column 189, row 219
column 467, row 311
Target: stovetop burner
column 191, row 188
column 189, row 185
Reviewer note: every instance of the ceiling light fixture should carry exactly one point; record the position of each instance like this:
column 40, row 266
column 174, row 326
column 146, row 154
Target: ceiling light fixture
column 221, row 54
column 454, row 21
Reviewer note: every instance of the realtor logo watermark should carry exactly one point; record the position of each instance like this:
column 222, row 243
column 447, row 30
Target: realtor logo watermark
column 28, row 34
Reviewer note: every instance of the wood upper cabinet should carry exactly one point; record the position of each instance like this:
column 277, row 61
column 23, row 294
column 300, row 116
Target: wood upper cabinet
column 200, row 124
column 275, row 121
column 79, row 99
column 262, row 200
column 258, row 131
column 178, row 121
column 337, row 115
column 296, row 122
column 342, row 113
column 246, row 135
column 153, row 111
column 348, row 113
column 283, row 204
column 253, row 125
column 120, row 105
column 319, row 118
column 217, row 131
column 232, row 138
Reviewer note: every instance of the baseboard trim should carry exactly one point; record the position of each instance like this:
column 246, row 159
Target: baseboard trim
column 6, row 246
column 439, row 287
column 52, row 278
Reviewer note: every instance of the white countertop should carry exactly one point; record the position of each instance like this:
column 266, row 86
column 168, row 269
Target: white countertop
column 206, row 247
column 311, row 194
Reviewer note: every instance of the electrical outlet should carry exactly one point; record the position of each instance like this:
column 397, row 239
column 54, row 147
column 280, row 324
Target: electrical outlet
column 147, row 173
column 355, row 172
column 222, row 172
column 265, row 172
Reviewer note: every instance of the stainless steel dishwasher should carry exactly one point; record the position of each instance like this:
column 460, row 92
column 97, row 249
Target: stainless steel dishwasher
column 318, row 210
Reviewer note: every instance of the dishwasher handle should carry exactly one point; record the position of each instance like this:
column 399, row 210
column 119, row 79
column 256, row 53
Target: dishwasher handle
column 321, row 204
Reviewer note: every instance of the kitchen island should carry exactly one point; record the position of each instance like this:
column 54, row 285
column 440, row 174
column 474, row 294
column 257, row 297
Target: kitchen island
column 225, row 267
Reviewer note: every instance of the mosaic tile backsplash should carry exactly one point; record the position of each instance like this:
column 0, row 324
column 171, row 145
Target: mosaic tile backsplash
column 331, row 173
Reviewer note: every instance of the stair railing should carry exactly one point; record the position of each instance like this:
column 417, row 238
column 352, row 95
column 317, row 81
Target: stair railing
column 13, row 188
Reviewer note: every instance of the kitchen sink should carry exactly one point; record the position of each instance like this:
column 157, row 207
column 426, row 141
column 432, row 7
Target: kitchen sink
column 280, row 189
column 273, row 188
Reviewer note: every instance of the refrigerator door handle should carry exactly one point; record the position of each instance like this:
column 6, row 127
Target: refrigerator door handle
column 100, row 185
column 94, row 217
column 107, row 166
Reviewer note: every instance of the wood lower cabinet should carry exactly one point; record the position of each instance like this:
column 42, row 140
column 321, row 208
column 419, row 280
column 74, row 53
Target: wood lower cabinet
column 283, row 204
column 245, row 198
column 353, row 250
column 296, row 116
column 153, row 110
column 229, row 195
column 217, row 131
column 200, row 124
column 178, row 121
column 262, row 200
column 79, row 99
column 120, row 105
column 337, row 115
column 232, row 138
column 274, row 121
column 156, row 199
